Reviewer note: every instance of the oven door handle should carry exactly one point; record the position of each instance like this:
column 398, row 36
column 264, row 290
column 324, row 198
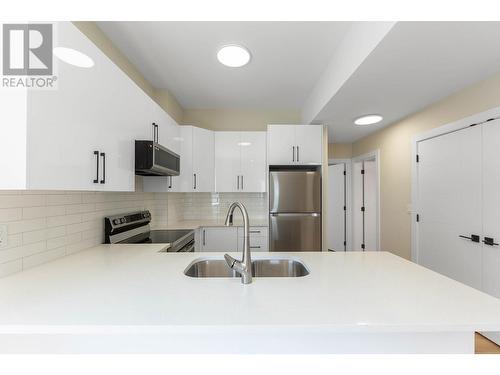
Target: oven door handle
column 188, row 248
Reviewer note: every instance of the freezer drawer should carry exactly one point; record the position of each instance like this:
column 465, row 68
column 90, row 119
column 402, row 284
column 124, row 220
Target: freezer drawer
column 294, row 191
column 295, row 232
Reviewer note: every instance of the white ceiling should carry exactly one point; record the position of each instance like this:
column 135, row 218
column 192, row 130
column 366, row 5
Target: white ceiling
column 415, row 65
column 287, row 59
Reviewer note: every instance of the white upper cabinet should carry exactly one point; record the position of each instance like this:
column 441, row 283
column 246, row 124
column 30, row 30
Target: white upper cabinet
column 197, row 160
column 227, row 161
column 80, row 135
column 295, row 144
column 281, row 144
column 240, row 161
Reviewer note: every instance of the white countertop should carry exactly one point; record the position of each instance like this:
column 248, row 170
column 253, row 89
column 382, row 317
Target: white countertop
column 134, row 288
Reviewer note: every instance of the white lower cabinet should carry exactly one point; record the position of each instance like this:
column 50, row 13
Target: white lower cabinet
column 228, row 239
column 218, row 239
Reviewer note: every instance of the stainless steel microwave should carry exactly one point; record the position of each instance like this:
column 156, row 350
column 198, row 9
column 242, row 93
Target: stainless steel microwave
column 152, row 159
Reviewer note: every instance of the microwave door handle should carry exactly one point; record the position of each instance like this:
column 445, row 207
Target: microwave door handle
column 103, row 155
column 96, row 180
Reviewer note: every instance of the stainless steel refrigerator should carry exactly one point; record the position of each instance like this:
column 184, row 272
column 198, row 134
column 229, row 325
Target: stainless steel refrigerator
column 295, row 210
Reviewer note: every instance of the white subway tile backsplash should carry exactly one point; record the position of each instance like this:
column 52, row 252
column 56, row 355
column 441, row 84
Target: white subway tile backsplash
column 43, row 257
column 46, row 225
column 9, row 268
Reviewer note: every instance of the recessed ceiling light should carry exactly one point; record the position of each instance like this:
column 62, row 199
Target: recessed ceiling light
column 233, row 56
column 73, row 57
column 368, row 120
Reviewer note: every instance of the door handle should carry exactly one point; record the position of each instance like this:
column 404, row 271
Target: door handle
column 473, row 237
column 489, row 241
column 293, row 153
column 96, row 180
column 103, row 155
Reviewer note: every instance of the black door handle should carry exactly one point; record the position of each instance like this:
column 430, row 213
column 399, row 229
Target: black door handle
column 473, row 237
column 96, row 180
column 103, row 181
column 489, row 241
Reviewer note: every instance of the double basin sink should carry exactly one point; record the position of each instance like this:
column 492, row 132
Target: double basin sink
column 279, row 267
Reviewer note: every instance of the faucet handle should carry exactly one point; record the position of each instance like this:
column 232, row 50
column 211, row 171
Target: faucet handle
column 229, row 260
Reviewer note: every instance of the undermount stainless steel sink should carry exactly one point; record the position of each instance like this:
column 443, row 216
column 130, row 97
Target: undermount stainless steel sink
column 279, row 267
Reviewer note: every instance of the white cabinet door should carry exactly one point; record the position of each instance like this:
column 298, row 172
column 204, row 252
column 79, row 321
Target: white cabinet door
column 186, row 178
column 65, row 125
column 309, row 141
column 253, row 161
column 450, row 204
column 491, row 207
column 203, row 160
column 281, row 144
column 219, row 239
column 227, row 161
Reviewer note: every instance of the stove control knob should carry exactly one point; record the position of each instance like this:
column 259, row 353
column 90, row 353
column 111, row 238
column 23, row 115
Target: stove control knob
column 116, row 221
column 123, row 220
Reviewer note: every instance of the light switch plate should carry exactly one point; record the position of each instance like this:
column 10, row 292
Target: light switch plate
column 3, row 236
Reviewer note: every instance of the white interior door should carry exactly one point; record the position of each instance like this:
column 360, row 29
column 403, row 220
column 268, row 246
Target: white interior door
column 449, row 200
column 370, row 204
column 491, row 207
column 357, row 204
column 336, row 207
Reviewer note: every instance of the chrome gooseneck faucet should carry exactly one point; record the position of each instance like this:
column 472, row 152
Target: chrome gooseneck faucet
column 245, row 266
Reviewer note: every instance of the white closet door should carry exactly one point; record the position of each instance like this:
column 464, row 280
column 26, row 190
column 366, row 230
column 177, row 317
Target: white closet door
column 491, row 207
column 370, row 202
column 449, row 199
column 336, row 203
column 357, row 203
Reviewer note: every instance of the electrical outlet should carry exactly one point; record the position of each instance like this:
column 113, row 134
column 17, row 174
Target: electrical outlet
column 3, row 236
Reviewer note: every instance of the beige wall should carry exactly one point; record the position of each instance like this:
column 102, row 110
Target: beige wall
column 239, row 119
column 394, row 143
column 339, row 150
column 164, row 99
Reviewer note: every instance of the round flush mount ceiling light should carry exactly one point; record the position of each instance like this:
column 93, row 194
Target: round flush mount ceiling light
column 368, row 120
column 233, row 56
column 73, row 57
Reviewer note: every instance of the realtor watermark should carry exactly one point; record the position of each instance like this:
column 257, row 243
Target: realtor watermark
column 27, row 56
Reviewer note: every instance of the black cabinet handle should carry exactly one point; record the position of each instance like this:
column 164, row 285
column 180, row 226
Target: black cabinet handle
column 238, row 182
column 194, row 186
column 204, row 242
column 96, row 180
column 298, row 159
column 103, row 181
column 170, row 185
column 489, row 241
column 293, row 153
column 155, row 133
column 254, row 247
column 242, row 182
column 473, row 237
